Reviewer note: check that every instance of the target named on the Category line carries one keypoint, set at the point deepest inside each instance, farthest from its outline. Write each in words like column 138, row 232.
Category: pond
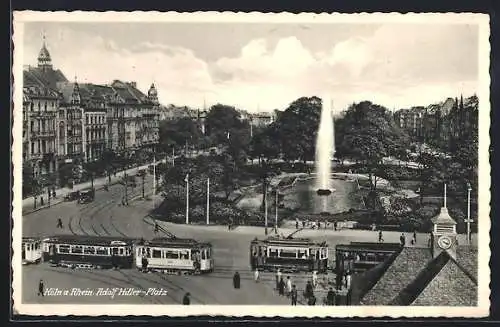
column 302, row 196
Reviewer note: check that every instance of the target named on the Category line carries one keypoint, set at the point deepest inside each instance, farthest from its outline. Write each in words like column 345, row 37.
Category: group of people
column 314, row 225
column 402, row 238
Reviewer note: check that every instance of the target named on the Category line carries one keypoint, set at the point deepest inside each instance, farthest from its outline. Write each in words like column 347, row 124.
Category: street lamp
column 468, row 220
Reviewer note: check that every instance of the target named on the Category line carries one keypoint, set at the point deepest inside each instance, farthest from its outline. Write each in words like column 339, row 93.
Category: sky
column 262, row 66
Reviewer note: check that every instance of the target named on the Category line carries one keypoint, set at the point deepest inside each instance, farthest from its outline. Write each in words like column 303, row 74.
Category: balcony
column 46, row 114
column 42, row 134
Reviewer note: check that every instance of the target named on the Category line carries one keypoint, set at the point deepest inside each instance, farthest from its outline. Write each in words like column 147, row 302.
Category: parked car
column 72, row 196
column 86, row 196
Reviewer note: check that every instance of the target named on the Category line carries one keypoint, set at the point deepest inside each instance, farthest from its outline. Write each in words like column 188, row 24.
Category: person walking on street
column 186, row 300
column 59, row 223
column 309, row 290
column 236, row 280
column 256, row 275
column 402, row 239
column 380, row 236
column 311, row 300
column 314, row 279
column 288, row 286
column 415, row 236
column 41, row 288
column 281, row 287
column 157, row 227
column 330, row 297
column 144, row 262
column 278, row 278
column 294, row 295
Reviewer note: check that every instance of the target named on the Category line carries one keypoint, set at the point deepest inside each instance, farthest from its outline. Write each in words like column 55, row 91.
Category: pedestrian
column 41, row 288
column 311, row 300
column 330, row 297
column 335, row 225
column 41, row 201
column 402, row 239
column 186, row 300
column 236, row 280
column 145, row 263
column 156, row 227
column 281, row 287
column 59, row 223
column 278, row 278
column 380, row 236
column 309, row 290
column 293, row 295
column 415, row 236
column 348, row 281
column 256, row 275
column 296, row 224
column 303, row 224
column 314, row 279
column 288, row 286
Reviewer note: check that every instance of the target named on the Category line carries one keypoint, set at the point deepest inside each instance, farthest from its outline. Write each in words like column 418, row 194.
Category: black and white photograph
column 241, row 164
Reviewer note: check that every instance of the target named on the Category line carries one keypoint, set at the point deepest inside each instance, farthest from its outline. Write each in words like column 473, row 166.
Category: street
column 106, row 216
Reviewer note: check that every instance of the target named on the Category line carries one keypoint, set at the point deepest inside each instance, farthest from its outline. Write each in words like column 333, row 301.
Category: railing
column 43, row 134
column 43, row 113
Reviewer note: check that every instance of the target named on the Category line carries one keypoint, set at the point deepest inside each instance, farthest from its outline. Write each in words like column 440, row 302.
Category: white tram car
column 31, row 251
column 172, row 255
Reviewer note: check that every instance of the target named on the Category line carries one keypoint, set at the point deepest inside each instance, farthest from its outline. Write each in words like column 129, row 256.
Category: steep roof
column 50, row 78
column 414, row 278
column 450, row 287
column 398, row 275
column 443, row 217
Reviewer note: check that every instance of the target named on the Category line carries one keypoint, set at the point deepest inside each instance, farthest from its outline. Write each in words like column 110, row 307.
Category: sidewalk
column 99, row 183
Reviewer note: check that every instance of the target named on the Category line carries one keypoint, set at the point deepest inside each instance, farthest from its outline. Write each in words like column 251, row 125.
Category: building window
column 32, row 127
column 32, row 106
column 32, row 147
column 45, row 106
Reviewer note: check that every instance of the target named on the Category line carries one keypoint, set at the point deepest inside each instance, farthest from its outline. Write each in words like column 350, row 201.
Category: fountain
column 325, row 148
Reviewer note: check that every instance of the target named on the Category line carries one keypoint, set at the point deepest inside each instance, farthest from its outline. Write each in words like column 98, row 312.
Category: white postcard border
column 259, row 311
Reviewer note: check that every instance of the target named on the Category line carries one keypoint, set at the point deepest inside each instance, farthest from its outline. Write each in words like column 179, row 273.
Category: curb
column 101, row 187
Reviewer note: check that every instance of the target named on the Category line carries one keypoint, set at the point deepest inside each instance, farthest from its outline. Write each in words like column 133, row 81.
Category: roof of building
column 451, row 286
column 415, row 278
column 50, row 78
column 400, row 273
column 443, row 217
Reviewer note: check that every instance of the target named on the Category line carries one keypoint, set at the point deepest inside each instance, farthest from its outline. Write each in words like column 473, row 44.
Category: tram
column 77, row 251
column 173, row 255
column 289, row 254
column 31, row 251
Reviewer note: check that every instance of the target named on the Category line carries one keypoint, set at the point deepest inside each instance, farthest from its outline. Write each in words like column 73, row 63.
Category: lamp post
column 265, row 208
column 276, row 214
column 468, row 220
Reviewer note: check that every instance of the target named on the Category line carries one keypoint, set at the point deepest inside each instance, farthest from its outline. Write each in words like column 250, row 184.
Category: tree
column 369, row 134
column 297, row 128
column 265, row 145
column 178, row 133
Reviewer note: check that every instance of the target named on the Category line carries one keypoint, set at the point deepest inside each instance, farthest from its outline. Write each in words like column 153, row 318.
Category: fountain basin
column 323, row 192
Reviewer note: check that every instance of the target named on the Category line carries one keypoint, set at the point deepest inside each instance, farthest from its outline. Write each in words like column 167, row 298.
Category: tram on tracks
column 289, row 254
column 174, row 256
column 76, row 251
column 167, row 255
column 31, row 251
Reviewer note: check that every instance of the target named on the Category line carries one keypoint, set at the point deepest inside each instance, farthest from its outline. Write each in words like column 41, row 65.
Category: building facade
column 444, row 123
column 70, row 122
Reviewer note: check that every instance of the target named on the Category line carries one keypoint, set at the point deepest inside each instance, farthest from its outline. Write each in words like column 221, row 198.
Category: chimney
column 133, row 84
